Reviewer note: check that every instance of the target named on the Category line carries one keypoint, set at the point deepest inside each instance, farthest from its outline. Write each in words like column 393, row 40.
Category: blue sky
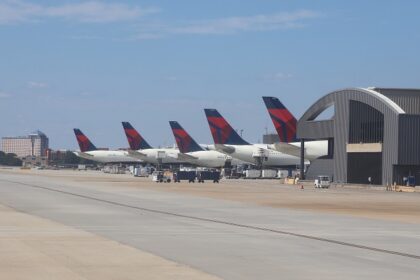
column 93, row 64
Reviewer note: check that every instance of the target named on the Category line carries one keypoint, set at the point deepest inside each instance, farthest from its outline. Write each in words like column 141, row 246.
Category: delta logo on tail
column 183, row 140
column 284, row 122
column 84, row 143
column 221, row 130
column 134, row 138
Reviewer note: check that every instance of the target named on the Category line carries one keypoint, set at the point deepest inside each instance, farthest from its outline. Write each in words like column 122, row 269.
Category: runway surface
column 227, row 239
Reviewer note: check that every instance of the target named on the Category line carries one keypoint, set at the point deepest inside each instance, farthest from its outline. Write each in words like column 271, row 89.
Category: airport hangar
column 374, row 132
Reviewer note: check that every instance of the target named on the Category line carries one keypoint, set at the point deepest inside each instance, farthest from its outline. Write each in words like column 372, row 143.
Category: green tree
column 9, row 159
column 71, row 158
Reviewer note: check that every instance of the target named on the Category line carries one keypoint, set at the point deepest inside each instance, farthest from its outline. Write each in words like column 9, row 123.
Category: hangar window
column 366, row 123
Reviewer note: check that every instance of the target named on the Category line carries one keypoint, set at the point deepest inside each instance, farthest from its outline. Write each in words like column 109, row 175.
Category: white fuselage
column 212, row 159
column 168, row 155
column 250, row 153
column 314, row 149
column 101, row 156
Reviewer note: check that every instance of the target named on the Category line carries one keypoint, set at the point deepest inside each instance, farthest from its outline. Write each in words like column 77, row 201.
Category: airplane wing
column 224, row 149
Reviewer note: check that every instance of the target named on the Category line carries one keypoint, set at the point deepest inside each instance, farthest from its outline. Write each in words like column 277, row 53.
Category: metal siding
column 409, row 140
column 317, row 129
column 407, row 99
column 410, row 104
column 320, row 167
column 341, row 135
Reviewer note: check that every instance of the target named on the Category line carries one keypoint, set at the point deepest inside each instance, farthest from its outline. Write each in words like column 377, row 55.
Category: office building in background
column 35, row 144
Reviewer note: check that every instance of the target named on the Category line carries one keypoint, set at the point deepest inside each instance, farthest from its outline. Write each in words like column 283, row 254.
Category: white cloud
column 231, row 25
column 243, row 24
column 15, row 11
column 86, row 11
column 37, row 85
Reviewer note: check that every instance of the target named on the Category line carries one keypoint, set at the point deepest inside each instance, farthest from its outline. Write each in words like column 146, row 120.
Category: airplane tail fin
column 134, row 138
column 184, row 141
column 221, row 130
column 284, row 122
column 84, row 142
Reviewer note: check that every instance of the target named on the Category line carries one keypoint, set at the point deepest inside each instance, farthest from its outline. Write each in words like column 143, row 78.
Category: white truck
column 81, row 167
column 322, row 182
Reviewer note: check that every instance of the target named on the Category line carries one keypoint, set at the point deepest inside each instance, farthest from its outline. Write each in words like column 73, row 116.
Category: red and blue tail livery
column 221, row 130
column 134, row 138
column 84, row 143
column 284, row 122
column 184, row 141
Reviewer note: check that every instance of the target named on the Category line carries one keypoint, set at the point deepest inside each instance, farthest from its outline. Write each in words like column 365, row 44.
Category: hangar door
column 361, row 166
column 364, row 149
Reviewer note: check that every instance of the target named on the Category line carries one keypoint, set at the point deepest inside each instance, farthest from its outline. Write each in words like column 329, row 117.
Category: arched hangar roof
column 366, row 95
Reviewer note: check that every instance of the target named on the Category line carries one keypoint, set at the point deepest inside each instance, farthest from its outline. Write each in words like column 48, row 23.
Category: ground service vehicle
column 203, row 175
column 322, row 182
column 160, row 177
column 181, row 175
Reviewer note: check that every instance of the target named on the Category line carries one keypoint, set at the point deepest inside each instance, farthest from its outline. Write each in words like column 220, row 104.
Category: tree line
column 71, row 158
column 9, row 159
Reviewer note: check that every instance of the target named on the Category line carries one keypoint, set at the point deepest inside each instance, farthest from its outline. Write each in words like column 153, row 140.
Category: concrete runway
column 227, row 239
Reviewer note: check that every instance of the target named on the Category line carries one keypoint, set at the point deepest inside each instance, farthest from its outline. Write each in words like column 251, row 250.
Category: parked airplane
column 286, row 126
column 228, row 141
column 195, row 154
column 90, row 152
column 140, row 149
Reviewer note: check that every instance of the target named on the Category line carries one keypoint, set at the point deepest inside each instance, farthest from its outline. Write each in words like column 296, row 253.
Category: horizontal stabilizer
column 186, row 157
column 286, row 148
column 224, row 149
column 84, row 155
column 136, row 154
column 291, row 150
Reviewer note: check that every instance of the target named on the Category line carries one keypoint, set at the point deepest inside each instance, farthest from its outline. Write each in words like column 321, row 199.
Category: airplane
column 227, row 141
column 140, row 149
column 90, row 152
column 196, row 154
column 286, row 125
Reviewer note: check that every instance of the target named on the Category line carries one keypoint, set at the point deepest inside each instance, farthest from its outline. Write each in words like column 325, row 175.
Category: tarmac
column 89, row 225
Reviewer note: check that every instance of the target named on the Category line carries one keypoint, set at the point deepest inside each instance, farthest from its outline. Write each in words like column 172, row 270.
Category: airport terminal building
column 373, row 135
